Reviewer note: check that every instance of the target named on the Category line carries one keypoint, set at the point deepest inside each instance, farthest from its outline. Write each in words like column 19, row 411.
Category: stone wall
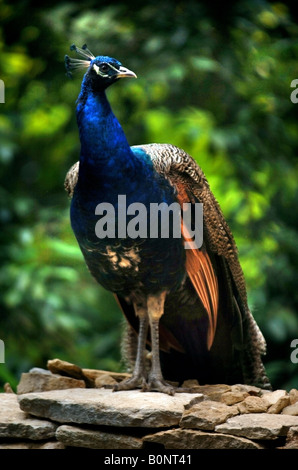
column 66, row 407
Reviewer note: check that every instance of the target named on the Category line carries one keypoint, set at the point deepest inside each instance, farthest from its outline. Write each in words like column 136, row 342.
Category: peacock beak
column 125, row 73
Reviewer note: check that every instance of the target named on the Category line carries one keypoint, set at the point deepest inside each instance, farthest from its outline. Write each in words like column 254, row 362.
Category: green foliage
column 214, row 82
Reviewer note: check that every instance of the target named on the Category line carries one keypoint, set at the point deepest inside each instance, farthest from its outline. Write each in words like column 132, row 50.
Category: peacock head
column 101, row 72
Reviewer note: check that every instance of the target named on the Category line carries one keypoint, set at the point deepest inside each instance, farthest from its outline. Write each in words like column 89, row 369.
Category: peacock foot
column 157, row 384
column 136, row 381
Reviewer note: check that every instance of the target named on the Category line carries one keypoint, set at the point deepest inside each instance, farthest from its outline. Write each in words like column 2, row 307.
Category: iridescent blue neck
column 103, row 141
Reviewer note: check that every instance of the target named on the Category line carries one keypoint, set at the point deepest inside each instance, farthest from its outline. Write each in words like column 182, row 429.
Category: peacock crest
column 73, row 64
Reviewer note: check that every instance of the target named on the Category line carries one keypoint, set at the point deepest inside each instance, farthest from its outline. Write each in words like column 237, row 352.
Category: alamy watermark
column 2, row 352
column 159, row 221
column 294, row 353
column 2, row 91
column 294, row 94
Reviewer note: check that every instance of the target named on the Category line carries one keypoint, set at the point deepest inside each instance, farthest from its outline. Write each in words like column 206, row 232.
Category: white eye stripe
column 97, row 70
column 102, row 74
column 112, row 67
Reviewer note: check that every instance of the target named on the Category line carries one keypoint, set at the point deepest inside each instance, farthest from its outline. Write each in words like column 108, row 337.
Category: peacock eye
column 104, row 67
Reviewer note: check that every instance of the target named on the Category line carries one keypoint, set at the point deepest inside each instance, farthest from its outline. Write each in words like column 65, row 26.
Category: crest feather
column 72, row 65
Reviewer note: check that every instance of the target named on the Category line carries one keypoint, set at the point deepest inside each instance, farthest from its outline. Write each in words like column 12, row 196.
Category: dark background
column 214, row 80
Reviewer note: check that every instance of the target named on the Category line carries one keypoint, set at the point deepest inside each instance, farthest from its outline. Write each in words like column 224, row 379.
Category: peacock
column 187, row 304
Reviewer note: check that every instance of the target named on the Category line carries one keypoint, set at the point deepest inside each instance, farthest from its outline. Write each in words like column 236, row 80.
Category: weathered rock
column 206, row 415
column 75, row 436
column 39, row 382
column 211, row 392
column 92, row 374
column 31, row 445
column 104, row 380
column 194, row 401
column 103, row 407
column 292, row 438
column 291, row 410
column 234, row 396
column 252, row 404
column 273, row 397
column 293, row 394
column 14, row 423
column 7, row 388
column 56, row 366
column 190, row 383
column 279, row 405
column 258, row 425
column 251, row 389
column 192, row 439
column 40, row 370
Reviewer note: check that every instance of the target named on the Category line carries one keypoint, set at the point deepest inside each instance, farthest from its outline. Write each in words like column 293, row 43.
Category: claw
column 161, row 386
column 131, row 384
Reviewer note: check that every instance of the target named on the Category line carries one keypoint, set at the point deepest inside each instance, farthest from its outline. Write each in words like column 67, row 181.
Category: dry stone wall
column 66, row 407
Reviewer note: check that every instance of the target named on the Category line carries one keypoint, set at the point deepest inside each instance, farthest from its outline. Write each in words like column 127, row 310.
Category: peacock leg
column 156, row 381
column 139, row 375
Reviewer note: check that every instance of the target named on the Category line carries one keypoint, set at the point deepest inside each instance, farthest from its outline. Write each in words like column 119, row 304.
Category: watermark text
column 2, row 352
column 2, row 91
column 158, row 221
column 294, row 94
column 294, row 353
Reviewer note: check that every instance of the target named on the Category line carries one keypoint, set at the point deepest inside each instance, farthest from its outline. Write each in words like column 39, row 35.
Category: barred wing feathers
column 181, row 170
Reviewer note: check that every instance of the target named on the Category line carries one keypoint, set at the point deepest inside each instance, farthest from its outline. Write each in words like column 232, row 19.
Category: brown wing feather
column 201, row 273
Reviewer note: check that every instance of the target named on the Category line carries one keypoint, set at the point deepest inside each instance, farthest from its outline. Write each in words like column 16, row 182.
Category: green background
column 214, row 80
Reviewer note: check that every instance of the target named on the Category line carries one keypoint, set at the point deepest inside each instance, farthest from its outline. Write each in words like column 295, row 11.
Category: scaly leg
column 139, row 374
column 156, row 381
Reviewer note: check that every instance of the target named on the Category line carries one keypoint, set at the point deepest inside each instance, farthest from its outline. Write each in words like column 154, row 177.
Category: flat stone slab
column 131, row 408
column 193, row 439
column 258, row 425
column 14, row 423
column 75, row 436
